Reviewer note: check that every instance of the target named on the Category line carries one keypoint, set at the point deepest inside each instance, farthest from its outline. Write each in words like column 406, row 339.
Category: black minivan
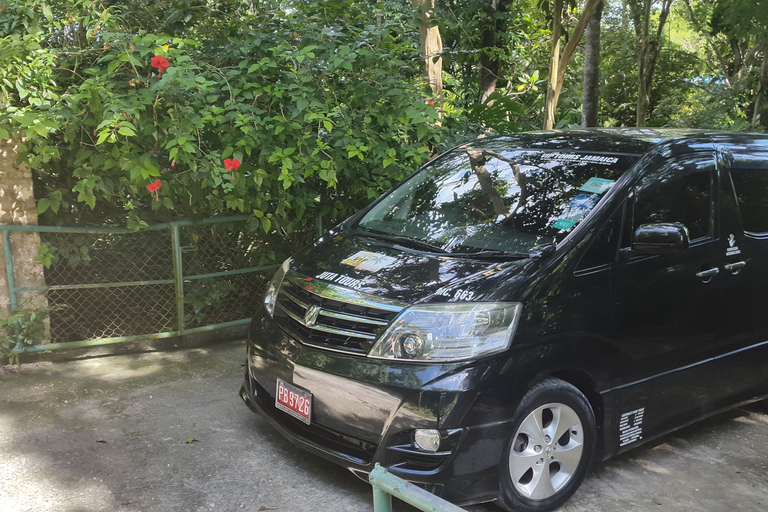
column 522, row 306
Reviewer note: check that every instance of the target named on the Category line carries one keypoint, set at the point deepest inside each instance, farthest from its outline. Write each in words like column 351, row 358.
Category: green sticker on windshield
column 564, row 224
column 596, row 185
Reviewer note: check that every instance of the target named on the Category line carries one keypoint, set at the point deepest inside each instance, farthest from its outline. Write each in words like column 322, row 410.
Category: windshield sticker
column 631, row 426
column 372, row 261
column 596, row 185
column 587, row 159
column 576, row 209
column 564, row 224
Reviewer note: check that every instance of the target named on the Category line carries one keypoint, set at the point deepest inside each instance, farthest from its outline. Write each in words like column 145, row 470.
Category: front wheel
column 551, row 449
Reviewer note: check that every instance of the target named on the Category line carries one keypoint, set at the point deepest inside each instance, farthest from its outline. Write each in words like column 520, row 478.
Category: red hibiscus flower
column 231, row 164
column 160, row 62
column 152, row 187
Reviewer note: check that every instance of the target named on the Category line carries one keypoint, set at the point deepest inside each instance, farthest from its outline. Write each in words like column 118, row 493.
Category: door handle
column 707, row 275
column 735, row 268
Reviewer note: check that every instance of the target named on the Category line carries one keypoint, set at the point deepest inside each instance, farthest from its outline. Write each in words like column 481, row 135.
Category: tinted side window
column 752, row 194
column 603, row 249
column 682, row 194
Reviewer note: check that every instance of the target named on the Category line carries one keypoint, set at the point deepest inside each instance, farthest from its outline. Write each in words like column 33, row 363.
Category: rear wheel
column 550, row 450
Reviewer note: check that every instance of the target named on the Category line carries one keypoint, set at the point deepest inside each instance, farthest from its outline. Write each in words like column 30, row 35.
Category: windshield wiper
column 494, row 254
column 402, row 241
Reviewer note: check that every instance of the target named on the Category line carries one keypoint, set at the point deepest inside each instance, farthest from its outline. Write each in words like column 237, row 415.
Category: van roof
column 633, row 141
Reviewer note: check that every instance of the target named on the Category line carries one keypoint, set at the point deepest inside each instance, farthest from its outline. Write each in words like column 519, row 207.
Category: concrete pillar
column 17, row 206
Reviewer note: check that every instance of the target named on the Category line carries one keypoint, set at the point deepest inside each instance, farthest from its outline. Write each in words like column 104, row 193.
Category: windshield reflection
column 476, row 199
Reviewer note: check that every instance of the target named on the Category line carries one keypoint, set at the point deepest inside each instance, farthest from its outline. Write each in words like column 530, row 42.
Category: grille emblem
column 310, row 317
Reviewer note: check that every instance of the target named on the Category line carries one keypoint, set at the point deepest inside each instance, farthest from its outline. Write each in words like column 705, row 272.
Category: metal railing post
column 11, row 280
column 178, row 275
column 9, row 269
column 385, row 483
column 382, row 500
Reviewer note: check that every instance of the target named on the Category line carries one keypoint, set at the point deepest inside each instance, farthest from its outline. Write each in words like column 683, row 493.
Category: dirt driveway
column 166, row 431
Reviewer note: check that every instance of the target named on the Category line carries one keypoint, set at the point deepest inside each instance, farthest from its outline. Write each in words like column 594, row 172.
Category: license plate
column 294, row 401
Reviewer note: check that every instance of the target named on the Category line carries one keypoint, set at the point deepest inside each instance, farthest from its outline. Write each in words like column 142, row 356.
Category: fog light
column 427, row 439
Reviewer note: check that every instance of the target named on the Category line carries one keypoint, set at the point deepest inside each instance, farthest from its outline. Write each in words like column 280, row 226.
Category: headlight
column 270, row 299
column 449, row 332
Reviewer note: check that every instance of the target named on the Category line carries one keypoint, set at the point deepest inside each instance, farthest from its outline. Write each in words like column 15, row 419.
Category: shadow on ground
column 166, row 431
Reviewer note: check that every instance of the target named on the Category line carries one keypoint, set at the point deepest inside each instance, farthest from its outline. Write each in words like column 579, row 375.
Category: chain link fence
column 111, row 285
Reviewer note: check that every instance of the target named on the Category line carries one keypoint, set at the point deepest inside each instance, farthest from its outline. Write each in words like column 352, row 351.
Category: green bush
column 285, row 113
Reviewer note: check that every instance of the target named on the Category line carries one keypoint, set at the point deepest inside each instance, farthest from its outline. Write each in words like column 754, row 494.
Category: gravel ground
column 165, row 431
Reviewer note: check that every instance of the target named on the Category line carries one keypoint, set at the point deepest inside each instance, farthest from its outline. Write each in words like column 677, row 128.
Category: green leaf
column 266, row 224
column 47, row 12
column 124, row 130
column 422, row 131
column 43, row 204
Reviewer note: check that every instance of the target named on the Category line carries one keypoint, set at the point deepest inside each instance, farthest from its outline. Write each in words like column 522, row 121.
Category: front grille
column 329, row 316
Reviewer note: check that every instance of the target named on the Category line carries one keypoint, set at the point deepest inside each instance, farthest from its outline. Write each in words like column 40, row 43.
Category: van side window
column 604, row 247
column 682, row 193
column 752, row 194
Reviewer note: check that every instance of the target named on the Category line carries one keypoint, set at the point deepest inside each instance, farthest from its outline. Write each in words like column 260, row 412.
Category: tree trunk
column 489, row 63
column 591, row 96
column 760, row 115
column 648, row 50
column 554, row 65
column 17, row 206
column 431, row 45
column 559, row 63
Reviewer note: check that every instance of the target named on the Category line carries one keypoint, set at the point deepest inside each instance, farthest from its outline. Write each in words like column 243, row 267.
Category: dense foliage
column 301, row 112
column 285, row 114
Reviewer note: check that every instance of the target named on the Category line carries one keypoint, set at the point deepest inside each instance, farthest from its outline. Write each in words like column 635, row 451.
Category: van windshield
column 474, row 200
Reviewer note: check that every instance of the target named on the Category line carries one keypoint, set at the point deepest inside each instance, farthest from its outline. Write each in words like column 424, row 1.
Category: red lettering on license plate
column 294, row 401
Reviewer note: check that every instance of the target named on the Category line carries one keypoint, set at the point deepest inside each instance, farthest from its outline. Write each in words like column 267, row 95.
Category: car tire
column 550, row 448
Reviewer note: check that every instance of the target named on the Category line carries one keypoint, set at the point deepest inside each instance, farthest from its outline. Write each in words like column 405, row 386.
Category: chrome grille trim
column 331, row 317
column 330, row 314
column 353, row 318
column 347, row 295
column 295, row 300
column 332, row 330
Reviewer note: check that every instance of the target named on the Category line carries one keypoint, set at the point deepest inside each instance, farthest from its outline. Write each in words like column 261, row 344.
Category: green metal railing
column 385, row 485
column 113, row 285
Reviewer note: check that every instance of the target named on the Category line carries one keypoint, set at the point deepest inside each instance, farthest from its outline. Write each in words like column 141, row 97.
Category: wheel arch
column 584, row 383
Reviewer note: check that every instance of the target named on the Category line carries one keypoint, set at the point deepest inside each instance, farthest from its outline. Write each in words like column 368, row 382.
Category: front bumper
column 360, row 422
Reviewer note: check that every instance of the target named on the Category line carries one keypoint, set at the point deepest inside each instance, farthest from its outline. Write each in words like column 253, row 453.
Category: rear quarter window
column 750, row 181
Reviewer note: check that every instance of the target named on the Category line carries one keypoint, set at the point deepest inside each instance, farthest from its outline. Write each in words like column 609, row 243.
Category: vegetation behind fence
column 109, row 285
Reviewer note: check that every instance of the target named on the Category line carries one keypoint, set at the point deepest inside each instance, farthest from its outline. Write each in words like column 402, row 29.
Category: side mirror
column 661, row 238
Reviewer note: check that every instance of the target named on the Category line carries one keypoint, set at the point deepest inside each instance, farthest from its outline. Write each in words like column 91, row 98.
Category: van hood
column 377, row 268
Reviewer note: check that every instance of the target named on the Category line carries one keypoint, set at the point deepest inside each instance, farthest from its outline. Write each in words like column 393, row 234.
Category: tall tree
column 559, row 62
column 648, row 49
column 760, row 115
column 589, row 103
column 431, row 45
column 493, row 33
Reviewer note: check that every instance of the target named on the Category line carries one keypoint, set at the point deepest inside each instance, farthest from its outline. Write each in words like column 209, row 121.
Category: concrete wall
column 17, row 206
